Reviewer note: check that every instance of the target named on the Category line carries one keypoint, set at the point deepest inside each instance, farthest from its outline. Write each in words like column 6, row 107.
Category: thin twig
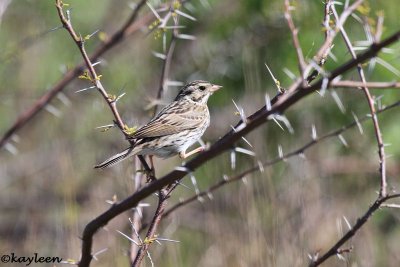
column 296, row 43
column 321, row 56
column 370, row 85
column 165, row 71
column 330, row 34
column 165, row 68
column 94, row 78
column 391, row 205
column 371, row 104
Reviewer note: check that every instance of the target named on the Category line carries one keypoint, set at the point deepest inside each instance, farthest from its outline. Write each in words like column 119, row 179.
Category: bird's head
column 197, row 91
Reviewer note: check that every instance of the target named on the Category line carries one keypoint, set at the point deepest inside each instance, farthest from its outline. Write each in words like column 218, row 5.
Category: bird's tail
column 130, row 151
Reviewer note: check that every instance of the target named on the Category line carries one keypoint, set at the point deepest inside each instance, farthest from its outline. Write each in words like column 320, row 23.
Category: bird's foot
column 184, row 155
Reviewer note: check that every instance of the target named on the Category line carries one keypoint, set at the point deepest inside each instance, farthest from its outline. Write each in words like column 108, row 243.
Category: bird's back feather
column 171, row 120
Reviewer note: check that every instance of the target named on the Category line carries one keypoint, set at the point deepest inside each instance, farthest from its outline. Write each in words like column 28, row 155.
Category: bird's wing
column 173, row 119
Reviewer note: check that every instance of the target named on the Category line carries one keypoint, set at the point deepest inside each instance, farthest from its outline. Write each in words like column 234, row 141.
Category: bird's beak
column 215, row 87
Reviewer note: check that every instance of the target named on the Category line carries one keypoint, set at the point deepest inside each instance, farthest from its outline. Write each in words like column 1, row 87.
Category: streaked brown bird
column 172, row 131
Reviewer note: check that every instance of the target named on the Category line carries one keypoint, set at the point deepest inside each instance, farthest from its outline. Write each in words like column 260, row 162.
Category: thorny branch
column 360, row 222
column 315, row 66
column 330, row 34
column 94, row 78
column 268, row 163
column 150, row 235
column 335, row 249
column 284, row 102
column 371, row 104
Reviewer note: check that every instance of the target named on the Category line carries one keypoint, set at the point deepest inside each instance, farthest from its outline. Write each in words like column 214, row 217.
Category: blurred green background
column 49, row 190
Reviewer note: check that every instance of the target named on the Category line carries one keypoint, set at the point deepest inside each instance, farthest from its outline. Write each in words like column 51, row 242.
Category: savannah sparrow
column 178, row 126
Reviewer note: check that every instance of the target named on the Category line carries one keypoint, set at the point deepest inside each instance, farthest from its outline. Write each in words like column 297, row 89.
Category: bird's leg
column 184, row 155
column 152, row 170
column 148, row 170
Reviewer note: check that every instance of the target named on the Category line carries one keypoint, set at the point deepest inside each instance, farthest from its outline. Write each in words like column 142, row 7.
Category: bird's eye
column 202, row 87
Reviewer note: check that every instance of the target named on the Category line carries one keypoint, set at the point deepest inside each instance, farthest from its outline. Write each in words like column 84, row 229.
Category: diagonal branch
column 335, row 249
column 319, row 58
column 330, row 34
column 94, row 78
column 127, row 29
column 284, row 102
column 296, row 152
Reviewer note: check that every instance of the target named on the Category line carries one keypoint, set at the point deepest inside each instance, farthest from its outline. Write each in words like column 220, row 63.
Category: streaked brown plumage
column 178, row 126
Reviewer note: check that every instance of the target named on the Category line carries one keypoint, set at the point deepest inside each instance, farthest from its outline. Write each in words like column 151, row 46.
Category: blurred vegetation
column 49, row 191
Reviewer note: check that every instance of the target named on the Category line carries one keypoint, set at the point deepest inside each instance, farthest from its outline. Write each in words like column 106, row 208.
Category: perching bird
column 172, row 131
